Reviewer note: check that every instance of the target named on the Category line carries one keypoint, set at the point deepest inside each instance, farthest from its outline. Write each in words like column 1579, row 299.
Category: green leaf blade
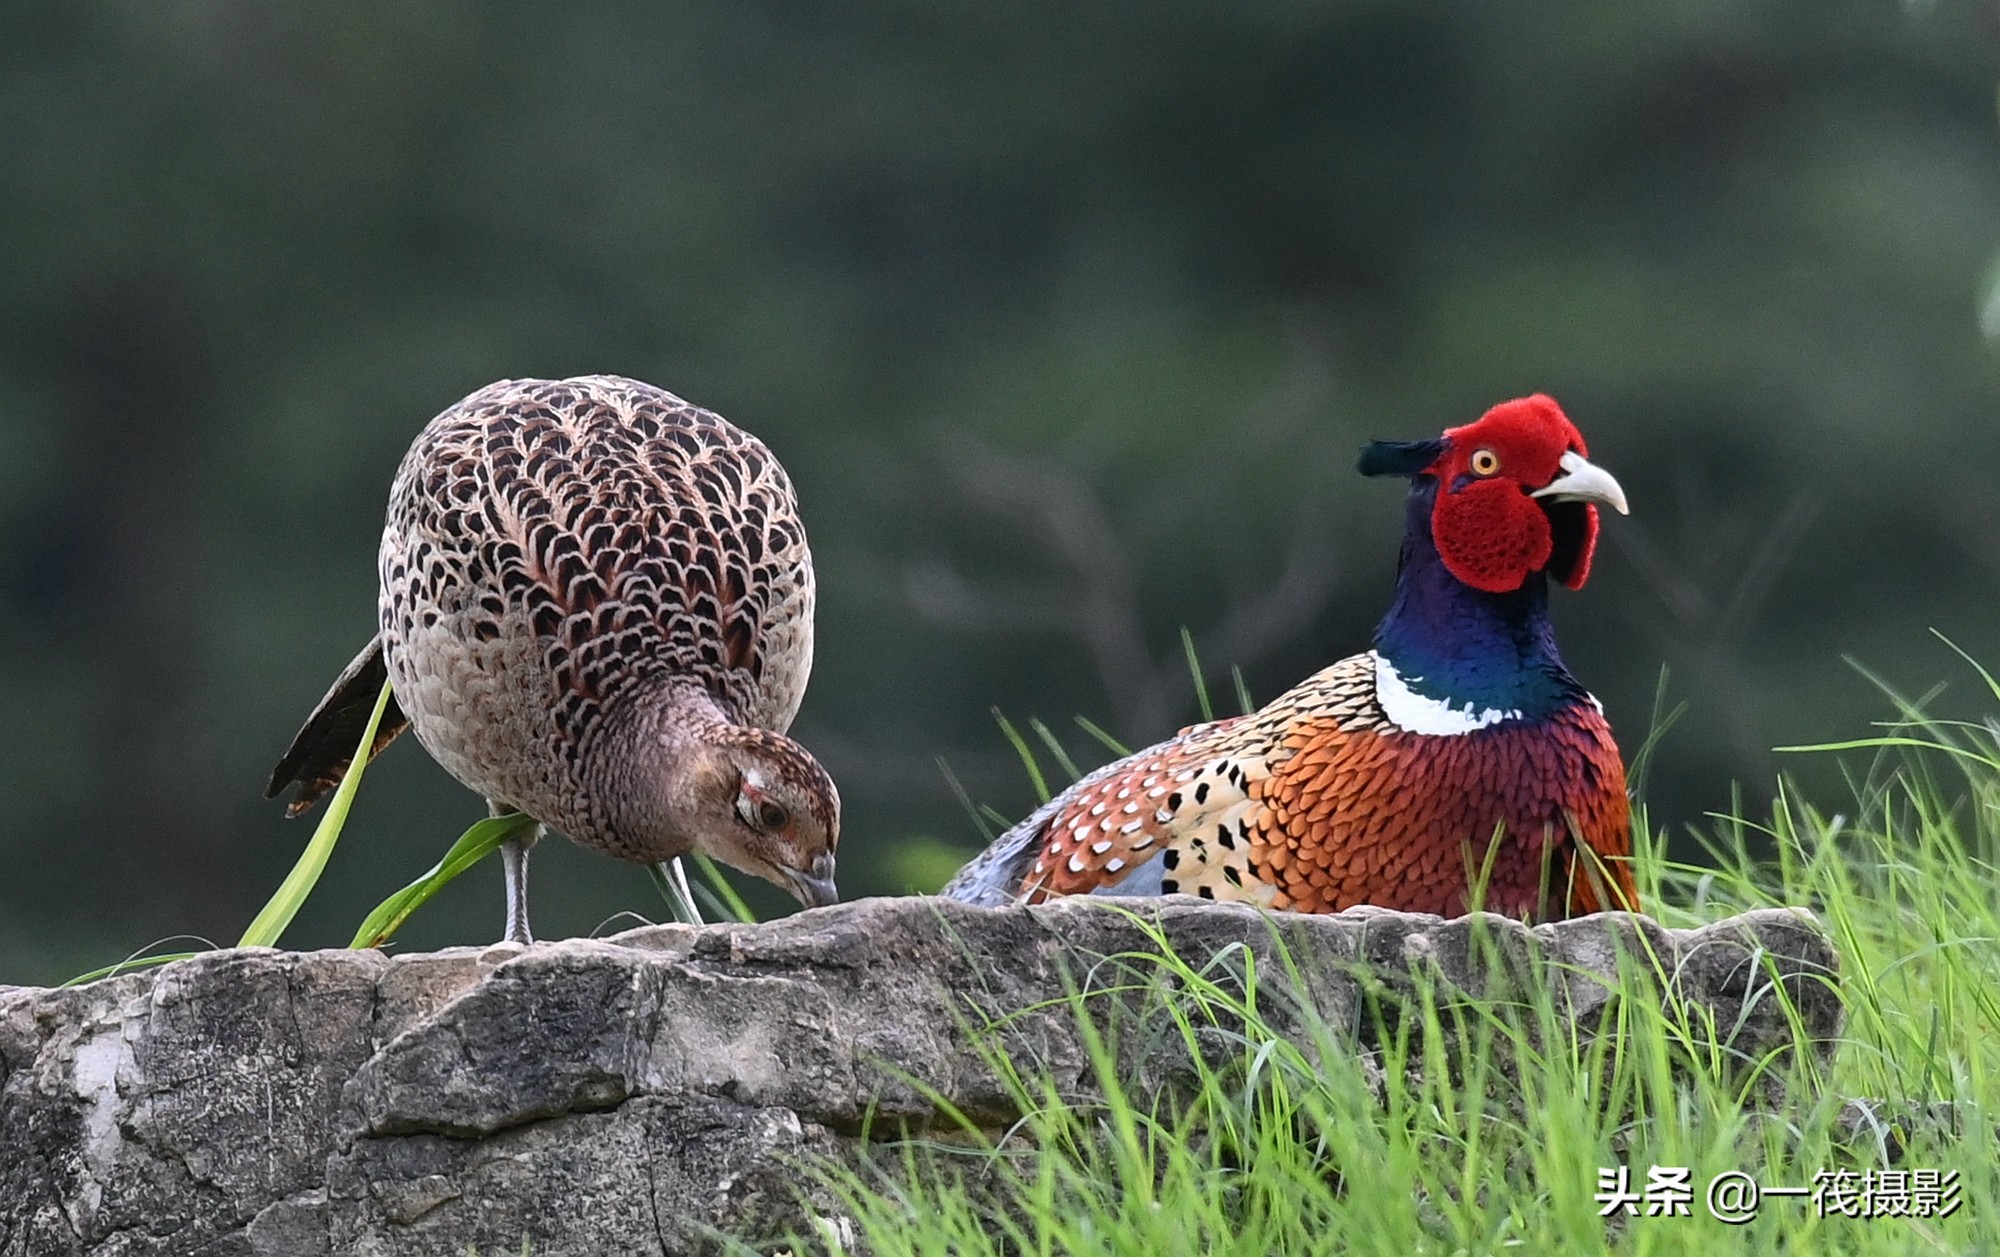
column 269, row 924
column 475, row 844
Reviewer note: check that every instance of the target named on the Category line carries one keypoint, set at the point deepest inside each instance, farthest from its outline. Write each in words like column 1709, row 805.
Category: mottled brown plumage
column 596, row 607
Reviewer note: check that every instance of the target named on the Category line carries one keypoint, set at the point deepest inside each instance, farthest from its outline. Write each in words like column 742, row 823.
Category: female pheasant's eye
column 1485, row 462
column 772, row 816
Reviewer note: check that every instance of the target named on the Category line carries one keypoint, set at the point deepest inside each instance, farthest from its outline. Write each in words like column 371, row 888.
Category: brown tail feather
column 325, row 746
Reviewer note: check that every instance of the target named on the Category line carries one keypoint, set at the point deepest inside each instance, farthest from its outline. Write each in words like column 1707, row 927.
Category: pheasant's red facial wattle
column 1574, row 525
column 1490, row 531
column 1490, row 534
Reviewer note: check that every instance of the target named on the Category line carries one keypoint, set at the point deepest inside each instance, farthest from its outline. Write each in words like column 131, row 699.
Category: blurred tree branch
column 1095, row 599
column 1710, row 613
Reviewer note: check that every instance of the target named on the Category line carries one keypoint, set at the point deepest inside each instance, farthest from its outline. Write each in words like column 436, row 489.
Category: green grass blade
column 130, row 965
column 670, row 879
column 1243, row 703
column 1922, row 744
column 1027, row 754
column 474, row 845
column 270, row 923
column 1056, row 751
column 144, row 958
column 686, row 895
column 1638, row 765
column 959, row 792
column 724, row 897
column 1985, row 674
column 1096, row 731
column 1194, row 670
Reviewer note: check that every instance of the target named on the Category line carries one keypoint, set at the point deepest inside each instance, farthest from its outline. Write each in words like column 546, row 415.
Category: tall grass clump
column 1215, row 1118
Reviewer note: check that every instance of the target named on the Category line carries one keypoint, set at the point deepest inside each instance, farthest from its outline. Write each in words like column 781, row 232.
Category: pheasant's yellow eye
column 1485, row 462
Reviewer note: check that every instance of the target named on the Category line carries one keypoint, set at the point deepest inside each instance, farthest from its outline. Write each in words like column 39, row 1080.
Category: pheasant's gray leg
column 514, row 859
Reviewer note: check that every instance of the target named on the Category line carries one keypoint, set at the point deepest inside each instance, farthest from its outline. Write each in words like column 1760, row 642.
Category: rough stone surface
column 641, row 1094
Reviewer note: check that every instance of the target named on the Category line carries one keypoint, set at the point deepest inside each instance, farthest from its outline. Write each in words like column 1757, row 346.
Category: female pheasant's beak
column 814, row 889
column 1583, row 481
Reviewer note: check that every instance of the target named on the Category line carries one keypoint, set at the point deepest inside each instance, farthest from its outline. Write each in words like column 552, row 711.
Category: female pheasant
column 1458, row 764
column 597, row 608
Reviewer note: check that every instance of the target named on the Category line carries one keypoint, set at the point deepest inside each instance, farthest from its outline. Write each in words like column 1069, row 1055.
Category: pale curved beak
column 814, row 889
column 1584, row 481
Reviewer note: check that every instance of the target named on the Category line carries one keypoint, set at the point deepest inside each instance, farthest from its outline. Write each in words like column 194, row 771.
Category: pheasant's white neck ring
column 1418, row 713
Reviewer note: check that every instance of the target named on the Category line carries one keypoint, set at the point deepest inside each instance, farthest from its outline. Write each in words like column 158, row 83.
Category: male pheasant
column 1458, row 764
column 597, row 608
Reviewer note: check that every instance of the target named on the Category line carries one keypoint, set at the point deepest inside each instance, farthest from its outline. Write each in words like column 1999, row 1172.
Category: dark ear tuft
column 1399, row 458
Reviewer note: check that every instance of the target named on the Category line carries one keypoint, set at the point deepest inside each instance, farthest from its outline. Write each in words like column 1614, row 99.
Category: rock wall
column 640, row 1094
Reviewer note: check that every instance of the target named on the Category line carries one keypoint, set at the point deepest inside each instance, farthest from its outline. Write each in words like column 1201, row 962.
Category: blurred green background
column 1067, row 320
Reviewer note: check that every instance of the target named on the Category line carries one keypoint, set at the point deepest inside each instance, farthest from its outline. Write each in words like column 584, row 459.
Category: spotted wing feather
column 1109, row 833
